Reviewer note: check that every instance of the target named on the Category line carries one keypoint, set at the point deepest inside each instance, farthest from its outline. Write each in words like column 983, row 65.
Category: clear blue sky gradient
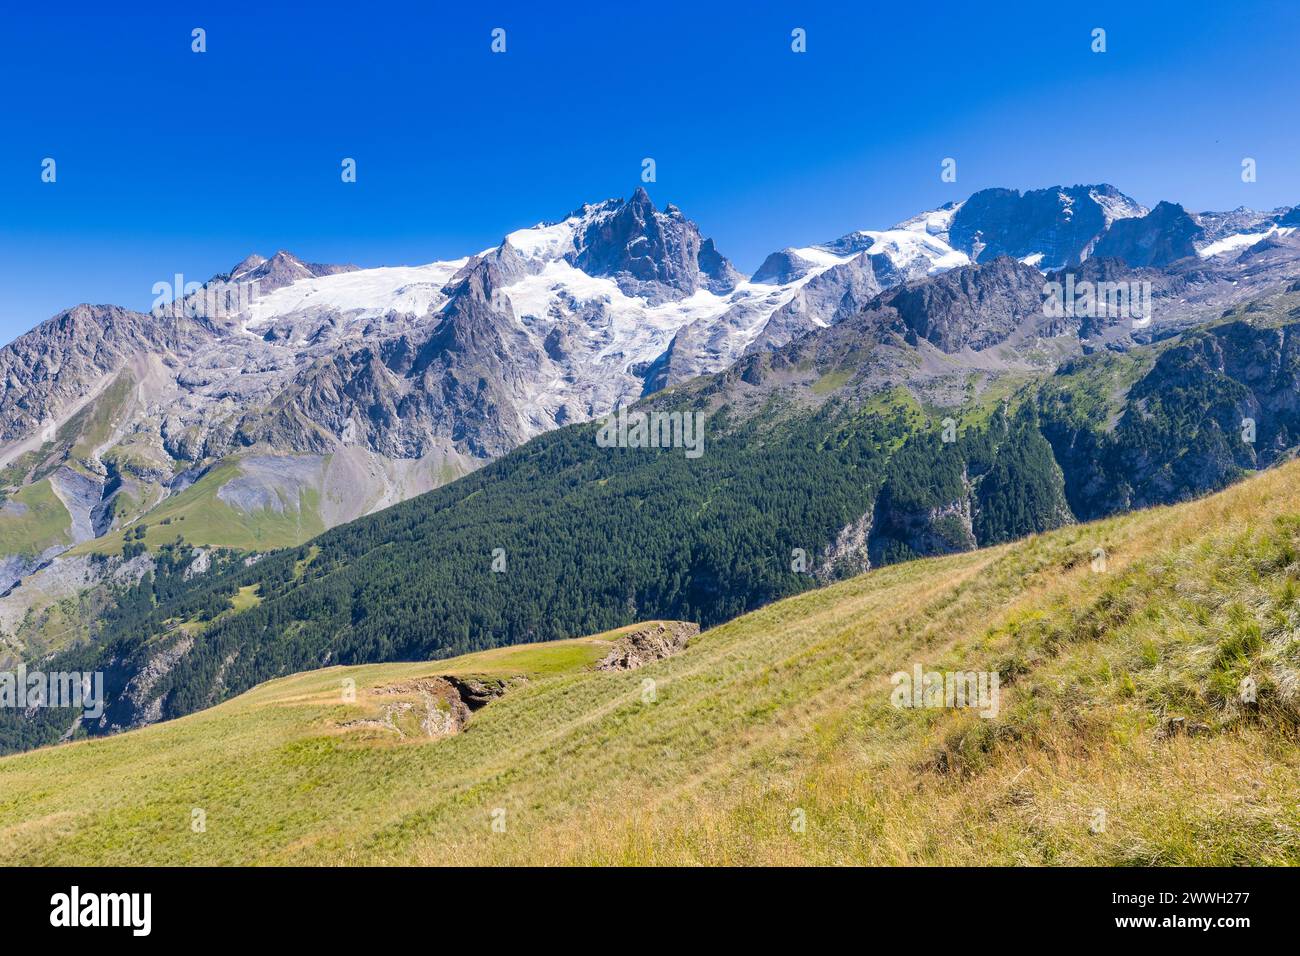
column 171, row 161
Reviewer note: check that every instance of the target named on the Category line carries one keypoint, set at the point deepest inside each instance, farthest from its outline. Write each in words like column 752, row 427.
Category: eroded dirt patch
column 647, row 644
column 427, row 707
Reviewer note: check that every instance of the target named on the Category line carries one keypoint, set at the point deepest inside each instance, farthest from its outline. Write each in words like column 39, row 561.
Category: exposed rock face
column 63, row 360
column 428, row 706
column 714, row 342
column 81, row 495
column 1266, row 247
column 782, row 267
column 92, row 580
column 200, row 564
column 466, row 378
column 849, row 553
column 648, row 643
column 15, row 567
column 972, row 307
column 1061, row 224
column 1166, row 234
column 652, row 253
column 1106, row 326
column 269, row 483
column 1218, row 225
column 935, row 530
column 477, row 692
column 140, row 703
column 828, row 298
column 280, row 270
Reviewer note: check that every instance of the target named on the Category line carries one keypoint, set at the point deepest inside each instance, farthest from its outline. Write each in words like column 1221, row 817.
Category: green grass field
column 831, row 381
column 33, row 519
column 94, row 424
column 200, row 517
column 1122, row 736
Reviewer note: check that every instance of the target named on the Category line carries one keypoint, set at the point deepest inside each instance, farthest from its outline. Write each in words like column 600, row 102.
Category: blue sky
column 170, row 161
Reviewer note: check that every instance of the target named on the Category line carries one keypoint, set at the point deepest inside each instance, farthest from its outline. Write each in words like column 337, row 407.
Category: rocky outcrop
column 660, row 255
column 476, row 692
column 902, row 531
column 200, row 563
column 280, row 270
column 828, row 298
column 1219, row 225
column 428, row 707
column 848, row 554
column 782, row 267
column 81, row 496
column 647, row 643
column 973, row 307
column 64, row 360
column 139, row 704
column 1166, row 234
column 15, row 567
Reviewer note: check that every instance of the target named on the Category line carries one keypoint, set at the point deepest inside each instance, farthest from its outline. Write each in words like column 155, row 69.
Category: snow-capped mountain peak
column 657, row 254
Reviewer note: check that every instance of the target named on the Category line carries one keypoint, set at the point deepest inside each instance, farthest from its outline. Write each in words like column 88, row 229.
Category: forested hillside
column 1120, row 703
column 563, row 537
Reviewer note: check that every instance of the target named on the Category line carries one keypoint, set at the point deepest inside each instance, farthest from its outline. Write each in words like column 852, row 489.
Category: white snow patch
column 366, row 292
column 630, row 329
column 905, row 248
column 1241, row 240
column 556, row 240
column 820, row 258
column 935, row 222
column 544, row 241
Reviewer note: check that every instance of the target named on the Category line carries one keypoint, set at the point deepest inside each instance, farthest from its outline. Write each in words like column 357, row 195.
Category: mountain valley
column 196, row 503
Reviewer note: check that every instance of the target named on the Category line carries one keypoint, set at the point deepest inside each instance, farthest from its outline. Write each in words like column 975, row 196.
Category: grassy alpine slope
column 1120, row 694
